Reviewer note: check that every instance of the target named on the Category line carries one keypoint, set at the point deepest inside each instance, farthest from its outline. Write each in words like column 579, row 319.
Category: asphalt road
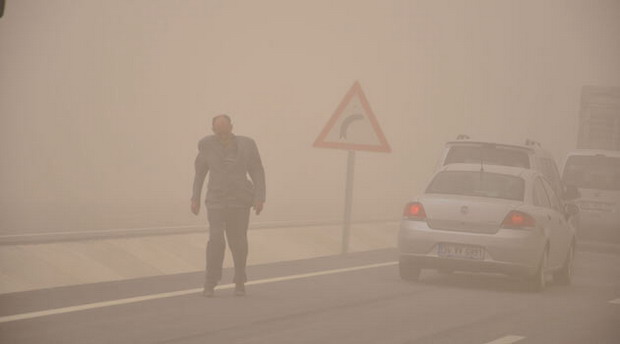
column 356, row 298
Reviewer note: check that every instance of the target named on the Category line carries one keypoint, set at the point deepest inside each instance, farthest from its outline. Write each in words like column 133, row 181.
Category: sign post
column 352, row 127
column 348, row 202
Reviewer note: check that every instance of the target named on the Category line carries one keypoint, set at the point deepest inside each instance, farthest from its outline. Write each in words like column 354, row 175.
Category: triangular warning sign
column 353, row 126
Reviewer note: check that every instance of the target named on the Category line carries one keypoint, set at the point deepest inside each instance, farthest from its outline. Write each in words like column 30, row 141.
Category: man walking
column 228, row 159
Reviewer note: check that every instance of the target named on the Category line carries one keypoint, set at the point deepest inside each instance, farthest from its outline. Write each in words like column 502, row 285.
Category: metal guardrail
column 40, row 238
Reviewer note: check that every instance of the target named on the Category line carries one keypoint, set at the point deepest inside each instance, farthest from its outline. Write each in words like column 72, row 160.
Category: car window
column 488, row 154
column 540, row 196
column 481, row 184
column 553, row 198
column 593, row 172
column 550, row 170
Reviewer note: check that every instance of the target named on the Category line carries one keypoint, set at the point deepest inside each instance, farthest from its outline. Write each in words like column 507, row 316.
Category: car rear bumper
column 509, row 251
column 430, row 262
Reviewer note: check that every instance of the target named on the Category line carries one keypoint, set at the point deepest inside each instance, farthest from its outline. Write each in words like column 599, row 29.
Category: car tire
column 564, row 276
column 408, row 269
column 538, row 281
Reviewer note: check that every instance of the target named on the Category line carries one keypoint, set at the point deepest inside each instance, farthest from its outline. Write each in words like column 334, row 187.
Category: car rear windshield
column 593, row 172
column 481, row 184
column 488, row 154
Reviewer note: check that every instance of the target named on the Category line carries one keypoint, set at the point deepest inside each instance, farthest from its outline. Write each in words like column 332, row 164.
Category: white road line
column 507, row 340
column 616, row 301
column 103, row 304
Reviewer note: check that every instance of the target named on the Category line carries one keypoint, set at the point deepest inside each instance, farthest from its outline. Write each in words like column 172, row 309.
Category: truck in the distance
column 594, row 168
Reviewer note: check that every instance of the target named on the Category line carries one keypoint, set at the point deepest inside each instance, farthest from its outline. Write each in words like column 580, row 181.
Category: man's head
column 222, row 125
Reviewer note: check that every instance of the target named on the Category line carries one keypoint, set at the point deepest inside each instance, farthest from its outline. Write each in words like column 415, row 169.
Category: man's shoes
column 239, row 289
column 208, row 292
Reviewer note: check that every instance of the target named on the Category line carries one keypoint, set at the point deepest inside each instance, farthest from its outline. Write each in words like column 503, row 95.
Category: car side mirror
column 571, row 192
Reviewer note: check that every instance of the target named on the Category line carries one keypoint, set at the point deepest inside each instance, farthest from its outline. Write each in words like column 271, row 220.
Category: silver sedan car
column 495, row 219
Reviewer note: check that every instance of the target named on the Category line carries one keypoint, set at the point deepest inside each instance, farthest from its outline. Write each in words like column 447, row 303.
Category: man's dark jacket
column 228, row 167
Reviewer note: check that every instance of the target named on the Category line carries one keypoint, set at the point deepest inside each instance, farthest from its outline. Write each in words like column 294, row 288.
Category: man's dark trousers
column 233, row 223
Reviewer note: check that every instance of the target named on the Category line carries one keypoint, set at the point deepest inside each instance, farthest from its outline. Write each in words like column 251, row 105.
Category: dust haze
column 102, row 102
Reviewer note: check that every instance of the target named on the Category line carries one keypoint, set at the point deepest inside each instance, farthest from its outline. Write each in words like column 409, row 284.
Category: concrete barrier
column 48, row 264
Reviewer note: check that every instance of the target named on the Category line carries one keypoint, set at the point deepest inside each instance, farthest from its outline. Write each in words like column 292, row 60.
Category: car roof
column 525, row 173
column 479, row 143
column 532, row 147
column 594, row 152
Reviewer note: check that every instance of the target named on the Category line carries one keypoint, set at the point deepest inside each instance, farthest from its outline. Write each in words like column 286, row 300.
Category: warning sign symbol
column 353, row 126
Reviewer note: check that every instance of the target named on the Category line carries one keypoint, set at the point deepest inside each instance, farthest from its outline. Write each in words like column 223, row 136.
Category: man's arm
column 257, row 174
column 201, row 167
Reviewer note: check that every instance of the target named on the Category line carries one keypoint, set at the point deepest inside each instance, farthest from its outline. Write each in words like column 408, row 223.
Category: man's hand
column 195, row 207
column 258, row 207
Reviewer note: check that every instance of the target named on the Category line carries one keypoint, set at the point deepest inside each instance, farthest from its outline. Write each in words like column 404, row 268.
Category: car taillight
column 414, row 211
column 518, row 219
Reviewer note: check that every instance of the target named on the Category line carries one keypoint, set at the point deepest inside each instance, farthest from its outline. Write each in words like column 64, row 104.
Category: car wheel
column 408, row 269
column 538, row 281
column 565, row 275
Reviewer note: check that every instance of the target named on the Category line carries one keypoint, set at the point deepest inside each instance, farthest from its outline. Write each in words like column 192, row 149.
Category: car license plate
column 460, row 251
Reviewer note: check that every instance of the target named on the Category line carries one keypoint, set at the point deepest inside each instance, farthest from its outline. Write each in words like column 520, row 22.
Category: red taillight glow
column 518, row 219
column 414, row 211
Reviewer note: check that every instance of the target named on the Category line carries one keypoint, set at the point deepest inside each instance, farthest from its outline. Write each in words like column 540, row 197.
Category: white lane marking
column 103, row 304
column 507, row 340
column 616, row 301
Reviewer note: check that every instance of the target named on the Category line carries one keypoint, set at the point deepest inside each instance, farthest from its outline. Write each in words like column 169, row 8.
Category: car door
column 543, row 207
column 560, row 233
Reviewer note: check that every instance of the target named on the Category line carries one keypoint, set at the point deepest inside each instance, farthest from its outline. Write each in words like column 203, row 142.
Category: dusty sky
column 102, row 102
